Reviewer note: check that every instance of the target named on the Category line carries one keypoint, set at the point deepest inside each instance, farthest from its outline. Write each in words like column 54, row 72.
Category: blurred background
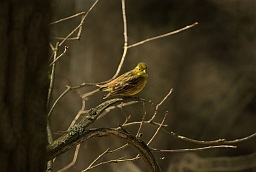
column 211, row 67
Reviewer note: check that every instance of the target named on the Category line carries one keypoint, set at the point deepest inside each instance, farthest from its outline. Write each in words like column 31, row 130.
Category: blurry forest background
column 211, row 67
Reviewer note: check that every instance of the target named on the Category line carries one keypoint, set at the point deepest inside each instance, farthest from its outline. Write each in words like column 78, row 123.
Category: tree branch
column 162, row 35
column 67, row 141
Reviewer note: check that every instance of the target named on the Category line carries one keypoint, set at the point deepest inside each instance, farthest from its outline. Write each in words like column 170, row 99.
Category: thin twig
column 112, row 161
column 67, row 18
column 142, row 120
column 57, row 100
column 81, row 23
column 119, row 148
column 49, row 97
column 57, row 58
column 52, row 76
column 162, row 36
column 71, row 33
column 81, row 111
column 68, row 39
column 218, row 141
column 96, row 159
column 73, row 161
column 125, row 41
column 127, row 117
column 158, row 128
column 241, row 139
column 159, row 104
column 203, row 142
column 193, row 149
column 59, row 44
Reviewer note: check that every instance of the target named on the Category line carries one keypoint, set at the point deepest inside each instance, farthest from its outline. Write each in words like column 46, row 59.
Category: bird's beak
column 144, row 71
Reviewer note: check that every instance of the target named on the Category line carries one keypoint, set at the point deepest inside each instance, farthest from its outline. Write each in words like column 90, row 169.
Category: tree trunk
column 24, row 45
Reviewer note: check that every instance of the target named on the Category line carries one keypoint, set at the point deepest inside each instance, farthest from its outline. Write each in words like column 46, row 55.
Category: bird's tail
column 91, row 93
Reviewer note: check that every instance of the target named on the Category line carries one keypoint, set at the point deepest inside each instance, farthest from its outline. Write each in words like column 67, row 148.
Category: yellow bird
column 127, row 84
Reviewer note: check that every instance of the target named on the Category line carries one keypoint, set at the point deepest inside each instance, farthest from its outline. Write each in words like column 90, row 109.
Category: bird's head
column 141, row 69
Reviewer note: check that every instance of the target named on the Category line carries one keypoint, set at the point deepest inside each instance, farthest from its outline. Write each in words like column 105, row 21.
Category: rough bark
column 24, row 56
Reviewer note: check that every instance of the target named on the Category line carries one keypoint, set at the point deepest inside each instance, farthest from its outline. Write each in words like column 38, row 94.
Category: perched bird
column 127, row 84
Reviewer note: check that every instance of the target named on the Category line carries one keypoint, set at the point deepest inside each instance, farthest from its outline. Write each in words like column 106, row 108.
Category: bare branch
column 80, row 25
column 193, row 149
column 159, row 104
column 62, row 143
column 67, row 141
column 73, row 161
column 112, row 161
column 57, row 100
column 163, row 35
column 49, row 97
column 67, row 18
column 218, row 141
column 96, row 159
column 57, row 58
column 52, row 75
column 125, row 40
column 119, row 148
column 158, row 128
column 81, row 111
column 142, row 120
column 241, row 139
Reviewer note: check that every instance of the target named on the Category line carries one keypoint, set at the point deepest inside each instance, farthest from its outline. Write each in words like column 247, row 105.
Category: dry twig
column 193, row 149
column 218, row 141
column 73, row 161
column 163, row 35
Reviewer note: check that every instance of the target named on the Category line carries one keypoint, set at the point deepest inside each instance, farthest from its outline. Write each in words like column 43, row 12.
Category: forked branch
column 85, row 135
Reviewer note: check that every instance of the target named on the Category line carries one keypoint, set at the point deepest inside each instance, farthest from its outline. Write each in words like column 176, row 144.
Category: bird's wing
column 116, row 82
column 127, row 86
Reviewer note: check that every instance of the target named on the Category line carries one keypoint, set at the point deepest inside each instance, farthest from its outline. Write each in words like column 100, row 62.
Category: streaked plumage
column 128, row 84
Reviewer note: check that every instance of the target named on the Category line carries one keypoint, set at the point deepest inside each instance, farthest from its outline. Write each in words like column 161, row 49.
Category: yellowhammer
column 127, row 84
